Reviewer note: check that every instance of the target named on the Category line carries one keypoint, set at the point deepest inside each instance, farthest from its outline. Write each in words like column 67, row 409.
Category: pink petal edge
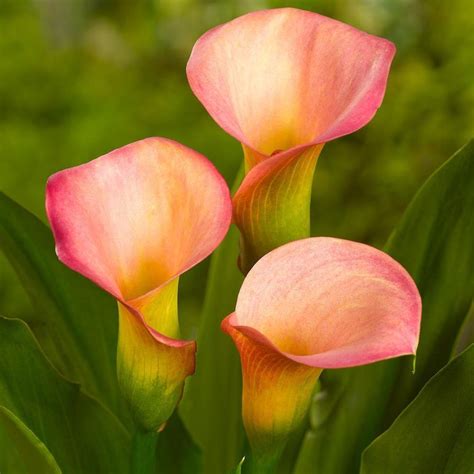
column 345, row 355
column 71, row 257
column 202, row 67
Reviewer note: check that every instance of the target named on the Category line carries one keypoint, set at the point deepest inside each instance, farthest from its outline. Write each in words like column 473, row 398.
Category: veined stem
column 143, row 460
column 260, row 465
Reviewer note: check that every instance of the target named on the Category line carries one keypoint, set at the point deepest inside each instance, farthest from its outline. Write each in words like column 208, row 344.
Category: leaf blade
column 79, row 432
column 418, row 441
column 439, row 225
column 20, row 448
column 176, row 451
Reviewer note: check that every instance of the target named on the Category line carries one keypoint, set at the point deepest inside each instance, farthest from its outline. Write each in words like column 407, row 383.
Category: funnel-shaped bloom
column 284, row 82
column 314, row 304
column 132, row 221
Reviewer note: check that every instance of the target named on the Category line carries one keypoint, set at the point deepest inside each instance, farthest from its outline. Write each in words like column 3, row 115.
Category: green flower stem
column 143, row 459
column 260, row 465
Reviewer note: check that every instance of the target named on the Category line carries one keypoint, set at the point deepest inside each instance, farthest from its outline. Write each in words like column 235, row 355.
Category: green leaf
column 434, row 243
column 80, row 433
column 466, row 334
column 20, row 450
column 435, row 433
column 74, row 321
column 176, row 451
column 211, row 407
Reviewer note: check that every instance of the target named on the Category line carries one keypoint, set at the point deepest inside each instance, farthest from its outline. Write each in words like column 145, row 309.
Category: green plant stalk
column 211, row 406
column 143, row 458
column 261, row 465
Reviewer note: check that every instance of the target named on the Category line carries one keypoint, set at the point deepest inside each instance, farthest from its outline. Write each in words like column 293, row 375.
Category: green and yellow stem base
column 272, row 205
column 143, row 460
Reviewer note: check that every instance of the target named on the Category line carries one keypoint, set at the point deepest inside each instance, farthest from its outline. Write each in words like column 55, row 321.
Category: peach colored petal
column 330, row 303
column 138, row 216
column 132, row 221
column 282, row 78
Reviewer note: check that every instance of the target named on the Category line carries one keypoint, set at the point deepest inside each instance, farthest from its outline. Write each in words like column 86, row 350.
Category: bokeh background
column 79, row 78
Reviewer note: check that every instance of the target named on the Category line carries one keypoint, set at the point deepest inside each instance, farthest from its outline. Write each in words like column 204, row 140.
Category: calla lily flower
column 284, row 82
column 132, row 221
column 314, row 304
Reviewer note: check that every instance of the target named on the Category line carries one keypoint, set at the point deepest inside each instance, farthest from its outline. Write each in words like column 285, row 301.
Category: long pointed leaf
column 434, row 242
column 435, row 433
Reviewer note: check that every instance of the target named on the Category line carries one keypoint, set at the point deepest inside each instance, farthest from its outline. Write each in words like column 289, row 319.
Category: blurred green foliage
column 81, row 77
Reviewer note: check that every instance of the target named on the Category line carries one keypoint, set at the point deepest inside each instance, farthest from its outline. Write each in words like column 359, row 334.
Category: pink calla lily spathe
column 314, row 304
column 132, row 221
column 284, row 82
